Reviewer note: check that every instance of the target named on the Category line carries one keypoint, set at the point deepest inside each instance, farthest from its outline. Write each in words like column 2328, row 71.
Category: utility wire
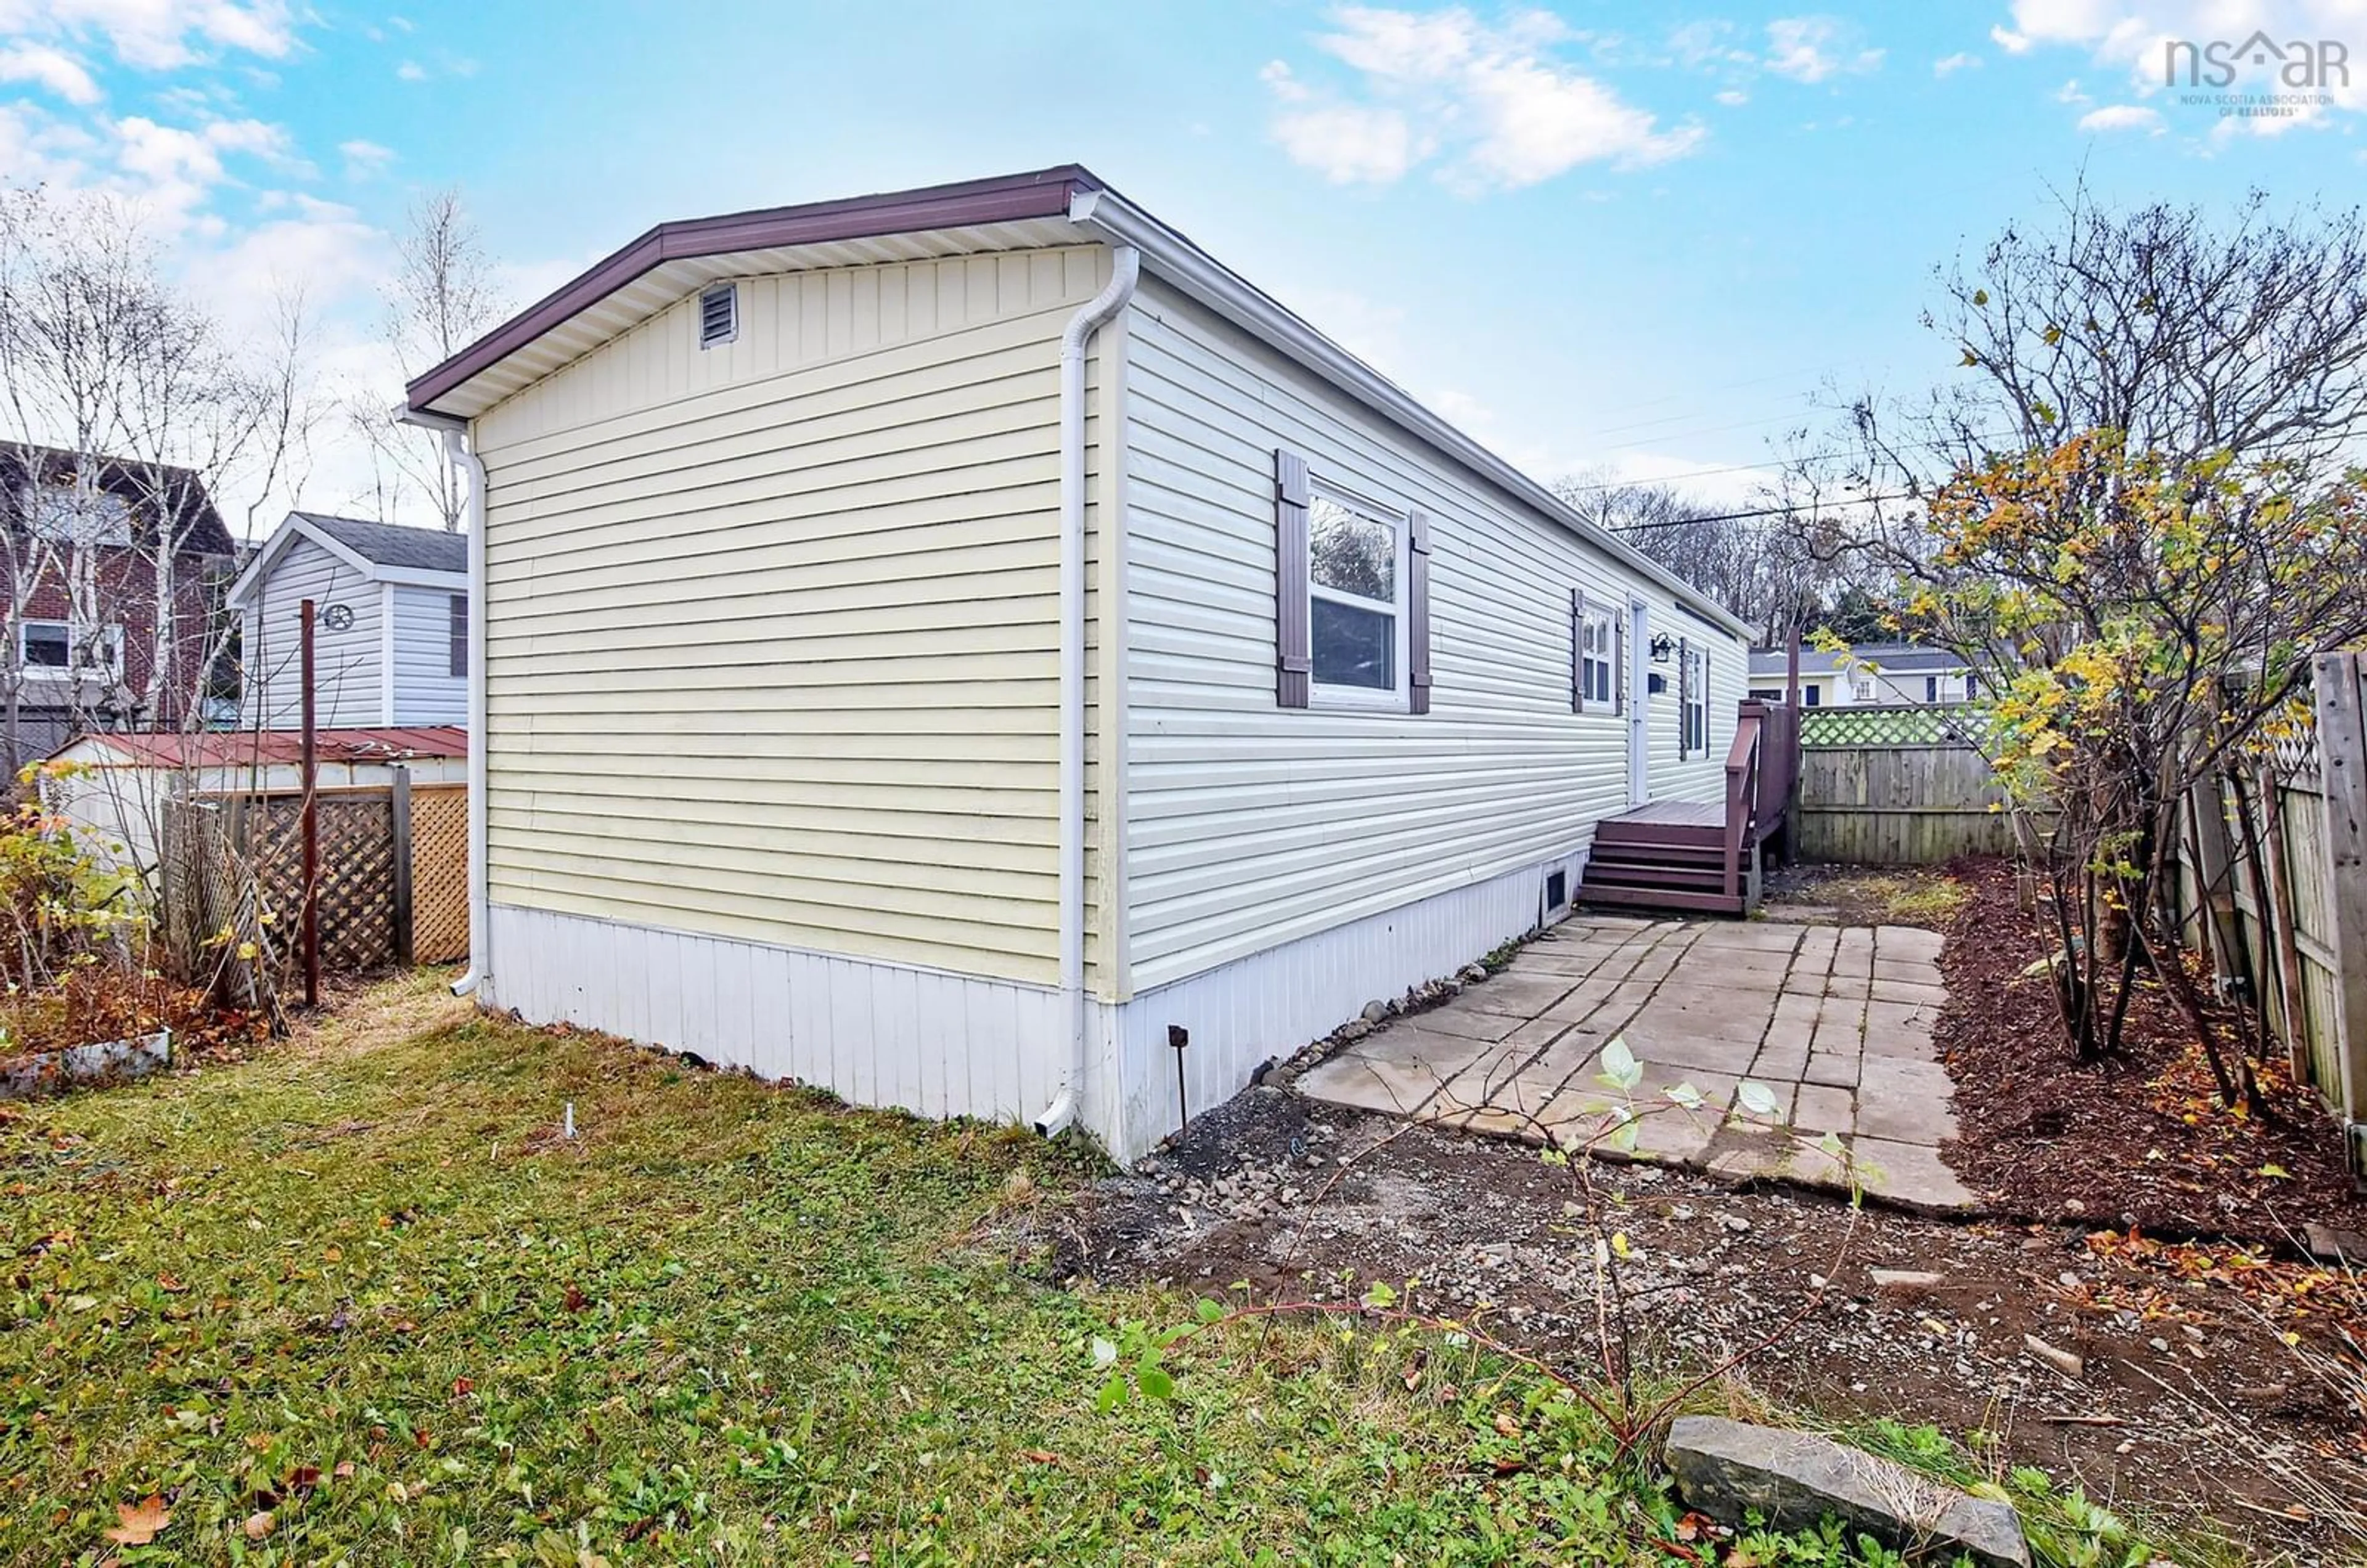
column 1740, row 517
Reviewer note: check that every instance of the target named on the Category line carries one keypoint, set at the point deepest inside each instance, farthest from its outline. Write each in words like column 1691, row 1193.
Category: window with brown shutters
column 1293, row 655
column 459, row 629
column 1351, row 596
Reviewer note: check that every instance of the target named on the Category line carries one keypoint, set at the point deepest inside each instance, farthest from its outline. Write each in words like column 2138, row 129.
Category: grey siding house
column 391, row 639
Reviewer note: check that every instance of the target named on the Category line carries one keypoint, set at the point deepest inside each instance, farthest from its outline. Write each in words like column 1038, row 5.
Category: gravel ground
column 2168, row 1396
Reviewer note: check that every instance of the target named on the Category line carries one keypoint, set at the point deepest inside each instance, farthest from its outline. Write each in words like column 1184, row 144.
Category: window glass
column 1351, row 553
column 1354, row 594
column 67, row 515
column 46, row 645
column 1354, row 646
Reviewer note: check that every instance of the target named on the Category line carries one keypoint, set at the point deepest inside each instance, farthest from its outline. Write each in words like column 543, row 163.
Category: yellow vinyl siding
column 773, row 640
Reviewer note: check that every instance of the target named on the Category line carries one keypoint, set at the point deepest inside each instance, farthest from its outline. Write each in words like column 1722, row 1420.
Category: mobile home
column 959, row 647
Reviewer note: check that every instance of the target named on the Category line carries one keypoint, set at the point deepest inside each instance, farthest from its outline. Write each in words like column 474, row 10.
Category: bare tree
column 1772, row 569
column 441, row 299
column 2199, row 337
column 129, row 409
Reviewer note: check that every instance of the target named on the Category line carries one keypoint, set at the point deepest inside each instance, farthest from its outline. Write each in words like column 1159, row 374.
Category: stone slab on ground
column 1833, row 1024
column 1795, row 1480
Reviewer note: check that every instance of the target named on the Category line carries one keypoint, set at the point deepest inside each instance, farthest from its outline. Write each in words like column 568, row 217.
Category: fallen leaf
column 140, row 1523
column 1507, row 1423
column 171, row 1286
column 575, row 1301
column 303, row 1478
column 258, row 1524
column 1040, row 1456
column 462, row 1387
column 345, row 1468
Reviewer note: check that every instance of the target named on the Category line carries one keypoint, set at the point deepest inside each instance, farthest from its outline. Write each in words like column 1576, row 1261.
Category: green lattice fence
column 1918, row 725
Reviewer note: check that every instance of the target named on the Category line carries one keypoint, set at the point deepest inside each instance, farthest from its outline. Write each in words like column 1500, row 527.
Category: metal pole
column 311, row 827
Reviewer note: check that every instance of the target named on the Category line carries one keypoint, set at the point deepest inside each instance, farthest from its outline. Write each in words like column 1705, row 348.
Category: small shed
column 112, row 787
column 391, row 636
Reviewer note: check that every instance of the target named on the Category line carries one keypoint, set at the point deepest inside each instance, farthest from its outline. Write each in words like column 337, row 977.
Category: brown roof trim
column 1044, row 193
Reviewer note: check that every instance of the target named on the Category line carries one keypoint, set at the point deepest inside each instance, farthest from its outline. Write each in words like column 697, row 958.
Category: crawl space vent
column 719, row 314
column 1557, row 889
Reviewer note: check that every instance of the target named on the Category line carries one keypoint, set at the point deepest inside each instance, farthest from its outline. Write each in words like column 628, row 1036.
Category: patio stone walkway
column 1835, row 1022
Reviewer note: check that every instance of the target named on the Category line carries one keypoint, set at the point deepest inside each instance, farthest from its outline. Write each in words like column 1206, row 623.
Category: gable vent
column 719, row 314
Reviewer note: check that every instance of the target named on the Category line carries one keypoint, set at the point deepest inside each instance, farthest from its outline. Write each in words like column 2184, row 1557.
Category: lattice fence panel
column 356, row 871
column 439, row 873
column 1910, row 726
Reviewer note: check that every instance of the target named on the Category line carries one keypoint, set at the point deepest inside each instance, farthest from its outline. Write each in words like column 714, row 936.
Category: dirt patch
column 2140, row 1142
column 2187, row 1405
column 1863, row 895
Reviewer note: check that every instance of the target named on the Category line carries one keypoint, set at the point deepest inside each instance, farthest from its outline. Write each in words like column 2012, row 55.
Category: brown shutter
column 1684, row 694
column 1292, row 636
column 1577, row 650
column 459, row 634
column 1418, row 612
column 1618, row 661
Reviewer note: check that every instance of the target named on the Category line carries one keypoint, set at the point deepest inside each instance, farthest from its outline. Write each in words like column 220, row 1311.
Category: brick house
column 80, row 597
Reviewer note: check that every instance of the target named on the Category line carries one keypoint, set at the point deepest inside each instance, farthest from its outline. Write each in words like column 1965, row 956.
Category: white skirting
column 884, row 1035
column 944, row 1044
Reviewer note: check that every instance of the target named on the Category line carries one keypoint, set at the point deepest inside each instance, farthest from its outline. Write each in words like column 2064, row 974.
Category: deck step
column 1656, row 854
column 1618, row 832
column 1658, row 899
column 1708, row 878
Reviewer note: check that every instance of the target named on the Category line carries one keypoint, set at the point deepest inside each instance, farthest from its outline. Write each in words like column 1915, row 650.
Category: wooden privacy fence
column 393, row 884
column 2274, row 884
column 1896, row 786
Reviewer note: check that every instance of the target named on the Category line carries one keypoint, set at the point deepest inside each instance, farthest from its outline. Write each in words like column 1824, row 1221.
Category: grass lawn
column 356, row 1300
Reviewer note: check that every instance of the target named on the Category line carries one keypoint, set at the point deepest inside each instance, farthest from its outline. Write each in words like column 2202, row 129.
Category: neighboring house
column 391, row 628
column 113, row 787
column 1879, row 674
column 80, row 596
column 874, row 700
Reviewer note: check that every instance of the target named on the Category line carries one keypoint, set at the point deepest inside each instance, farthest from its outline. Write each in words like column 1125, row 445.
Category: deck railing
column 1762, row 768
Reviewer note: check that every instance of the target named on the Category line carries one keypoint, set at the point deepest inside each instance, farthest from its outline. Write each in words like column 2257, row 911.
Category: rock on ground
column 1791, row 1480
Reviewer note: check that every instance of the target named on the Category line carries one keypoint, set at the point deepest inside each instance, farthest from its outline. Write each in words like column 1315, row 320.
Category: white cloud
column 1949, row 65
column 365, row 159
column 2122, row 117
column 2135, row 37
column 1734, row 98
column 1811, row 49
column 1348, row 144
column 1493, row 99
column 49, row 67
column 158, row 34
column 2072, row 93
column 410, row 70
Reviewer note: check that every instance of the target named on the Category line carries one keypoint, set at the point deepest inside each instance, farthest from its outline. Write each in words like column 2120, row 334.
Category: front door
column 1640, row 703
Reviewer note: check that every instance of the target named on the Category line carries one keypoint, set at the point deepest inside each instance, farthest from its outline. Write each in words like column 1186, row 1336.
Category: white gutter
column 481, row 923
column 1113, row 220
column 1126, row 265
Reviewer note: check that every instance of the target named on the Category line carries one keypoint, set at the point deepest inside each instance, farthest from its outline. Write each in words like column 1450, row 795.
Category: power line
column 1740, row 517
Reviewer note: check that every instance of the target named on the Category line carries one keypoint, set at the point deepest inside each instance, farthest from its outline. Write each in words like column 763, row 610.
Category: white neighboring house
column 391, row 636
column 1875, row 674
column 947, row 646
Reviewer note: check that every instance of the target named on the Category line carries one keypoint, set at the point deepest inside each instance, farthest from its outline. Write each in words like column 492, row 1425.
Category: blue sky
column 1637, row 235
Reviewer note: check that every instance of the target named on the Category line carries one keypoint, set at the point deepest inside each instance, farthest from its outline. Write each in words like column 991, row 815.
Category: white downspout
column 1125, row 270
column 455, row 432
column 480, row 909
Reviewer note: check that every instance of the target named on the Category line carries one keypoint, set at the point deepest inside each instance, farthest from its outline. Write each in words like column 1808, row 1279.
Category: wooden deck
column 1699, row 855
